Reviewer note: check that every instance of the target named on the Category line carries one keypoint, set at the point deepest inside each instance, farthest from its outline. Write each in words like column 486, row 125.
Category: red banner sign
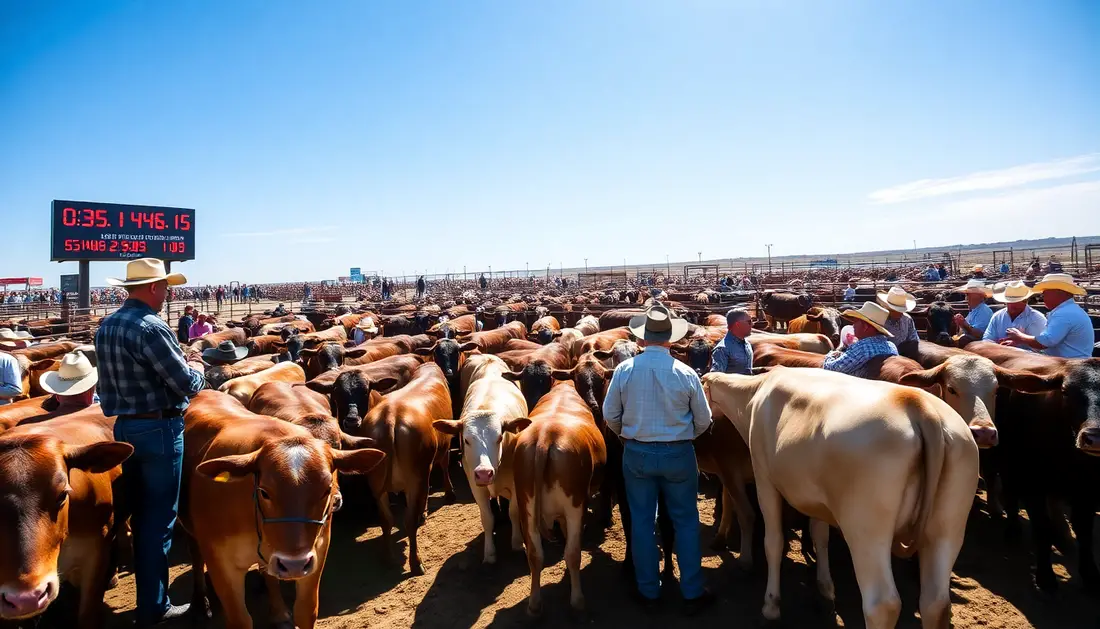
column 29, row 281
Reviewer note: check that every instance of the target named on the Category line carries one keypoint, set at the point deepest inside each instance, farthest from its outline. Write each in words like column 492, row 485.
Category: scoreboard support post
column 84, row 295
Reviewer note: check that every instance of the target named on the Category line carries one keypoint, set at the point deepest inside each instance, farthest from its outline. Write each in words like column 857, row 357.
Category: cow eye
column 466, row 441
column 62, row 497
column 951, row 390
column 264, row 494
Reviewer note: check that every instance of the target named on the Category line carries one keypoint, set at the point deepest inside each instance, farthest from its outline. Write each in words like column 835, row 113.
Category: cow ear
column 562, row 374
column 448, row 426
column 384, row 385
column 515, row 425
column 557, row 333
column 424, row 351
column 468, row 347
column 603, row 354
column 320, row 387
column 307, row 353
column 49, row 364
column 279, row 346
column 815, row 316
column 355, row 353
column 1027, row 382
column 676, row 350
column 357, row 461
column 531, row 336
column 226, row 468
column 350, row 442
column 924, row 378
column 514, row 376
column 97, row 457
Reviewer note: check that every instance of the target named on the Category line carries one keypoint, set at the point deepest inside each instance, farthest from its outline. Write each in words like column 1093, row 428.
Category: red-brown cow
column 243, row 387
column 58, row 521
column 210, row 341
column 397, row 370
column 545, row 330
column 218, row 375
column 493, row 341
column 559, row 461
column 588, row 325
column 280, row 520
column 533, row 369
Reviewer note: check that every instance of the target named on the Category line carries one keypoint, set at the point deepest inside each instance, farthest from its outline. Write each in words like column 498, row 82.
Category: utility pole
column 700, row 257
column 586, row 265
column 668, row 268
column 528, row 268
column 769, row 259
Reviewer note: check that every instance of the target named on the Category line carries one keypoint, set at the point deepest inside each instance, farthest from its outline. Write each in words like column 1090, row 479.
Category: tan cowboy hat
column 75, row 376
column 1059, row 281
column 7, row 334
column 871, row 313
column 1012, row 292
column 977, row 268
column 975, row 286
column 658, row 325
column 897, row 299
column 147, row 271
column 367, row 325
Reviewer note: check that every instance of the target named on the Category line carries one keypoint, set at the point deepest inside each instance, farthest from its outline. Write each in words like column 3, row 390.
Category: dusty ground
column 991, row 587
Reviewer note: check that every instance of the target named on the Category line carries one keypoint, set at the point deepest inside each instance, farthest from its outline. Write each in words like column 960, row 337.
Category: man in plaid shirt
column 874, row 340
column 145, row 380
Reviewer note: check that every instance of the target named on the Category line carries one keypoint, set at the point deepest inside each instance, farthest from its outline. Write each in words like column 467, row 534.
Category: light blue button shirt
column 1069, row 332
column 1029, row 322
column 979, row 317
column 11, row 378
column 655, row 398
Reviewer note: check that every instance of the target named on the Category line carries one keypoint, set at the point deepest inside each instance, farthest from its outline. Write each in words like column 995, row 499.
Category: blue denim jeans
column 152, row 481
column 669, row 469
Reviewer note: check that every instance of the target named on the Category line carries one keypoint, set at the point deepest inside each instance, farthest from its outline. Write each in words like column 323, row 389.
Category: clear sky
column 412, row 136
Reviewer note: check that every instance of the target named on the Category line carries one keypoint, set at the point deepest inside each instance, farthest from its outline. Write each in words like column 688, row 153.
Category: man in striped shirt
column 146, row 381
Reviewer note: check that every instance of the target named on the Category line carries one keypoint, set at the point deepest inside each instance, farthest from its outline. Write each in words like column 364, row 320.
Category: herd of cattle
column 892, row 461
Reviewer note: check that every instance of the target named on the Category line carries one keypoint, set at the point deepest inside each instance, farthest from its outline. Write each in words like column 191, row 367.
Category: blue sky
column 311, row 137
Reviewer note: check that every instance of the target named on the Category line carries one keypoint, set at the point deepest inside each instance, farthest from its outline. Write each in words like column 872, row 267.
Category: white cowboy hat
column 658, row 325
column 974, row 286
column 7, row 334
column 977, row 267
column 367, row 325
column 897, row 299
column 75, row 376
column 871, row 313
column 1059, row 281
column 147, row 271
column 1012, row 293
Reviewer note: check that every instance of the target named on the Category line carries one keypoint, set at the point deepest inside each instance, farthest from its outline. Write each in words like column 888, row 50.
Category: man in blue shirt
column 733, row 354
column 869, row 326
column 977, row 320
column 1016, row 314
column 145, row 380
column 1069, row 330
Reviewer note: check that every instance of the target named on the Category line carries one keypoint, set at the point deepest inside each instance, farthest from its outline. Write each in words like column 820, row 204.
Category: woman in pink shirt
column 200, row 327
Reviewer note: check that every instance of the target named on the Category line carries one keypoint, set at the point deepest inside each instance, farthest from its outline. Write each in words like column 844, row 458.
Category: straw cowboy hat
column 897, row 299
column 226, row 351
column 978, row 268
column 1059, row 281
column 870, row 313
column 975, row 286
column 658, row 325
column 367, row 325
column 75, row 376
column 147, row 271
column 1012, row 292
column 7, row 334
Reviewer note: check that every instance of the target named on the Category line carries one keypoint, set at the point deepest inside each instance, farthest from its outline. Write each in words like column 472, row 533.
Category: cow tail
column 934, row 455
column 542, row 453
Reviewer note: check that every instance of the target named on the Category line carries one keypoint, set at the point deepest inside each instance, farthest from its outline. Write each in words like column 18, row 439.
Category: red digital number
column 101, row 219
column 137, row 217
column 114, row 246
column 69, row 217
column 87, row 217
column 183, row 222
column 71, row 245
column 158, row 221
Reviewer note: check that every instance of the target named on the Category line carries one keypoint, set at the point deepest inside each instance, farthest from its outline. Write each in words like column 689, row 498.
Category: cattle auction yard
column 370, row 581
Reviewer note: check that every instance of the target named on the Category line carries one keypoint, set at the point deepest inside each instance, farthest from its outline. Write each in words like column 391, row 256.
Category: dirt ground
column 991, row 587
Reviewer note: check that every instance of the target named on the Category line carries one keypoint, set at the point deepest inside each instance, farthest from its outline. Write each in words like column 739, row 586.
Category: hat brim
column 910, row 303
column 1072, row 289
column 214, row 354
column 851, row 315
column 1002, row 298
column 51, row 382
column 973, row 289
column 371, row 330
column 173, row 279
column 678, row 329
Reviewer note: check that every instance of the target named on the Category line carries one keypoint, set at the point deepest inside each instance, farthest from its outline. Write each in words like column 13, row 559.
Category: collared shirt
column 141, row 366
column 979, row 317
column 849, row 294
column 903, row 329
column 183, row 328
column 732, row 355
column 11, row 378
column 852, row 360
column 1069, row 332
column 199, row 330
column 655, row 398
column 1029, row 322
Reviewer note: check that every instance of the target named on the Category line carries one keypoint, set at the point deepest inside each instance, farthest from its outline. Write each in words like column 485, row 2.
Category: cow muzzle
column 484, row 476
column 1088, row 441
column 985, row 436
column 18, row 603
column 288, row 567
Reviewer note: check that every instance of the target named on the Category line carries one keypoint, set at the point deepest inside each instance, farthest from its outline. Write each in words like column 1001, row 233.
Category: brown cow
column 532, row 369
column 493, row 341
column 33, row 362
column 559, row 461
column 618, row 318
column 264, row 345
column 35, row 407
column 331, row 356
column 401, row 426
column 714, row 320
column 518, row 345
column 398, row 368
column 454, row 328
column 545, row 330
column 300, row 406
column 243, row 387
column 218, row 375
column 58, row 478
column 782, row 307
column 816, row 343
column 332, row 335
column 298, row 326
column 588, row 325
column 818, row 321
column 210, row 341
column 279, row 520
column 601, row 341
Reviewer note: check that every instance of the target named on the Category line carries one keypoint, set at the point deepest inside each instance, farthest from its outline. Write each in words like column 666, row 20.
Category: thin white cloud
column 293, row 231
column 989, row 180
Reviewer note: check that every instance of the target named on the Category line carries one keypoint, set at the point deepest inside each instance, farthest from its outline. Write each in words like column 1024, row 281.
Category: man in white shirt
column 657, row 406
column 977, row 320
column 1068, row 333
column 1016, row 314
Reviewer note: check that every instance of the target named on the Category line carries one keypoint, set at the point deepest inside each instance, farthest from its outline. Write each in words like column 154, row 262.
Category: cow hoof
column 113, row 583
column 534, row 610
column 449, row 498
column 200, row 612
column 417, row 569
column 719, row 543
column 422, row 520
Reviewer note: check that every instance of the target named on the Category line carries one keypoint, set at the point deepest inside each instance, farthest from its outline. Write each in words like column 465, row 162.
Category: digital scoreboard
column 83, row 230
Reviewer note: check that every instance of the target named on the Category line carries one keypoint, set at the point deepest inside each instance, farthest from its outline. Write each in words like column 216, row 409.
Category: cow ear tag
column 222, row 478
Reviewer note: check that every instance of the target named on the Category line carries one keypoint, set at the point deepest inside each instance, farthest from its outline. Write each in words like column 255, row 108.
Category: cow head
column 483, row 434
column 1081, row 398
column 805, row 300
column 941, row 324
column 448, row 354
column 591, row 379
column 534, row 380
column 34, row 513
column 351, row 397
column 295, row 489
column 969, row 386
column 828, row 320
column 327, row 357
column 291, row 348
column 544, row 336
column 696, row 354
column 422, row 321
